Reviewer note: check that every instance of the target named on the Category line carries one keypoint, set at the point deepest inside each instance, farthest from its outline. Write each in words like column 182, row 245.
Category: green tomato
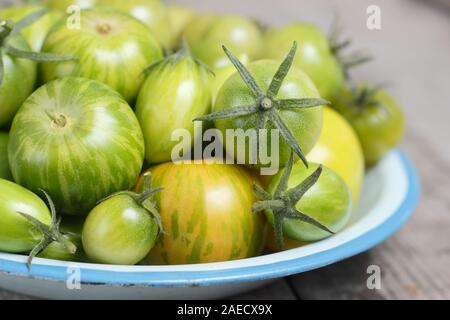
column 305, row 123
column 63, row 5
column 328, row 201
column 314, row 55
column 196, row 29
column 5, row 171
column 179, row 19
column 36, row 33
column 19, row 78
column 151, row 12
column 78, row 140
column 174, row 93
column 122, row 229
column 112, row 47
column 375, row 116
column 17, row 234
column 239, row 34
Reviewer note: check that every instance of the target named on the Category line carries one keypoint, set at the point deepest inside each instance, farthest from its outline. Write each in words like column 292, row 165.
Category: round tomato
column 239, row 34
column 63, row 5
column 123, row 228
column 221, row 75
column 315, row 56
column 306, row 204
column 111, row 46
column 256, row 99
column 17, row 80
column 77, row 139
column 151, row 12
column 5, row 171
column 376, row 117
column 174, row 93
column 35, row 34
column 339, row 149
column 179, row 19
column 26, row 223
column 212, row 224
column 196, row 29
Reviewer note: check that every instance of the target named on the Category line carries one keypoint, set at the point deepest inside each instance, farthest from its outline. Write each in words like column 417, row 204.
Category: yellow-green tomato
column 63, row 5
column 196, row 29
column 151, row 12
column 175, row 92
column 5, row 171
column 119, row 231
column 375, row 116
column 179, row 18
column 240, row 35
column 17, row 234
column 35, row 33
column 314, row 55
column 111, row 46
column 328, row 202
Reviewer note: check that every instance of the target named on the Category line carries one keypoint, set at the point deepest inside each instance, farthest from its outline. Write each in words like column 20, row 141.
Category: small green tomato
column 123, row 228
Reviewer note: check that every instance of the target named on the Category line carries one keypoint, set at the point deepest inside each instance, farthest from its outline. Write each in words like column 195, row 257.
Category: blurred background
column 412, row 57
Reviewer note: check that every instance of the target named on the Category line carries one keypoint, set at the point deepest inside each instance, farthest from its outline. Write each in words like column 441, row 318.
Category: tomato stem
column 267, row 106
column 283, row 202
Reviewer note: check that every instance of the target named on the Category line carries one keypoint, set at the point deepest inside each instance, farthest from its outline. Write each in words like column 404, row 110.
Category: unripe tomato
column 122, row 228
column 174, row 93
column 328, row 201
column 212, row 224
column 19, row 78
column 79, row 140
column 5, row 171
column 239, row 34
column 314, row 55
column 34, row 34
column 151, row 12
column 112, row 47
column 63, row 5
column 179, row 19
column 376, row 118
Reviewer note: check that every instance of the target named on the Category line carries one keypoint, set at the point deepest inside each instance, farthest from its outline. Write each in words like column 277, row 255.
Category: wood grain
column 412, row 56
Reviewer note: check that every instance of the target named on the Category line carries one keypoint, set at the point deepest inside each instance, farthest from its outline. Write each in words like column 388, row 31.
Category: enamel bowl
column 390, row 194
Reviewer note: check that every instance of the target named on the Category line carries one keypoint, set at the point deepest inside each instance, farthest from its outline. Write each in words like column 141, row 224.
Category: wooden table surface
column 412, row 53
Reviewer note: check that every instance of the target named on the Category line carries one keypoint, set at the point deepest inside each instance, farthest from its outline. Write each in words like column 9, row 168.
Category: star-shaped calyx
column 8, row 30
column 50, row 233
column 283, row 202
column 267, row 106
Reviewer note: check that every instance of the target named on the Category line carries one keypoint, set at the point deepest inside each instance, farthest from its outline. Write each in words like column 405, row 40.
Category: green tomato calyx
column 50, row 233
column 143, row 198
column 267, row 107
column 364, row 96
column 283, row 202
column 8, row 29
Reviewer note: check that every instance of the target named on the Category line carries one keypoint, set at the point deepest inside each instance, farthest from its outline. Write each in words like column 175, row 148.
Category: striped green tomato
column 112, row 47
column 63, row 5
column 328, row 201
column 175, row 92
column 36, row 33
column 205, row 211
column 151, row 12
column 18, row 235
column 19, row 78
column 78, row 140
column 5, row 171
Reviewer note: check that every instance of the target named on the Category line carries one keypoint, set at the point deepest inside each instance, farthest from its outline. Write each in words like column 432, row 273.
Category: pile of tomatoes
column 91, row 93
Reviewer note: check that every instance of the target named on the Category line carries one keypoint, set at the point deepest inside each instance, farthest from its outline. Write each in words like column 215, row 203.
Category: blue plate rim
column 239, row 274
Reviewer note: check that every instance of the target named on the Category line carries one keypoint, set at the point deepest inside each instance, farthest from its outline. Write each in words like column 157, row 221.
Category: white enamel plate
column 390, row 194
